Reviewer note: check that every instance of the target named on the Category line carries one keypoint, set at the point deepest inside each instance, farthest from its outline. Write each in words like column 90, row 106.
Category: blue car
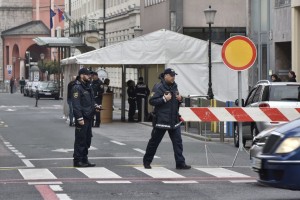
column 279, row 163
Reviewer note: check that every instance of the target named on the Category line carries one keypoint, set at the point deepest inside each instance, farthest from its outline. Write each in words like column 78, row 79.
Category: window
column 219, row 34
column 282, row 3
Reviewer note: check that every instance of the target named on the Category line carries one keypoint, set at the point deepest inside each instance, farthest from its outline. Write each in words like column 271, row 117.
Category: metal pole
column 142, row 109
column 240, row 105
column 209, row 92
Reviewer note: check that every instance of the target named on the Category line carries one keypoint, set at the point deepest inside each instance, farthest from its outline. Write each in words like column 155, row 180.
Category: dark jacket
column 166, row 114
column 141, row 90
column 98, row 89
column 131, row 93
column 292, row 79
column 69, row 92
column 83, row 100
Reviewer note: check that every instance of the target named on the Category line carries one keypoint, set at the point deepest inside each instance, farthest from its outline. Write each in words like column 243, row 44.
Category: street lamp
column 29, row 58
column 42, row 56
column 209, row 16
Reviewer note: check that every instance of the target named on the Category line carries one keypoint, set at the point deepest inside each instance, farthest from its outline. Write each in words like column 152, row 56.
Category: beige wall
column 193, row 15
column 295, row 3
column 155, row 17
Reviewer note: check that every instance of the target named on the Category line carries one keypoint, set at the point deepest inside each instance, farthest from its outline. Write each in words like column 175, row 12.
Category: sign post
column 239, row 53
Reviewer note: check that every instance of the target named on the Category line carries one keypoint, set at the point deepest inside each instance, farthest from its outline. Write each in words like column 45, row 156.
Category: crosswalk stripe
column 106, row 176
column 222, row 173
column 38, row 174
column 98, row 172
column 159, row 172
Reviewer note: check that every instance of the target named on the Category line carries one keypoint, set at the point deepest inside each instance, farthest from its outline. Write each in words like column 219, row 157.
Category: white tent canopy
column 187, row 55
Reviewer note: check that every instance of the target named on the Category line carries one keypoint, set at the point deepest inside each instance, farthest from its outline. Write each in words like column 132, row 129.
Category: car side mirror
column 237, row 102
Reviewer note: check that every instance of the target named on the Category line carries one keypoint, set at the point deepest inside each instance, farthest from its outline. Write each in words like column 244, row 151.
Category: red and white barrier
column 238, row 114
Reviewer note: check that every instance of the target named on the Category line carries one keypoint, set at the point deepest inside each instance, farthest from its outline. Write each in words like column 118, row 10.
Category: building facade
column 22, row 21
column 270, row 29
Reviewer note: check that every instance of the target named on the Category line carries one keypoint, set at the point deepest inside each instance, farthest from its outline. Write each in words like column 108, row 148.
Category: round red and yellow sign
column 239, row 53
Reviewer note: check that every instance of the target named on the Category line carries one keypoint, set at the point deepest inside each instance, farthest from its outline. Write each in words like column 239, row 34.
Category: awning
column 59, row 41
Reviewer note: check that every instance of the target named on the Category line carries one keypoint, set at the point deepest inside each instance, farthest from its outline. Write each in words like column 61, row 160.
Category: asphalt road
column 36, row 146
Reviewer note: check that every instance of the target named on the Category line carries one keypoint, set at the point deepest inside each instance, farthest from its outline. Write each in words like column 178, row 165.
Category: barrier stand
column 207, row 150
column 241, row 146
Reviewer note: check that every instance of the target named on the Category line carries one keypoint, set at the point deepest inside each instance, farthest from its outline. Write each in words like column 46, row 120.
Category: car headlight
column 288, row 145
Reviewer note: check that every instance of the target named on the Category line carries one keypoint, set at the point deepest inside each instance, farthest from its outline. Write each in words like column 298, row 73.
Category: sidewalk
column 192, row 132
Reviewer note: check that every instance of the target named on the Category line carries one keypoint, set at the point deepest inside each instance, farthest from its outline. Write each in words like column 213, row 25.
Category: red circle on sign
column 233, row 43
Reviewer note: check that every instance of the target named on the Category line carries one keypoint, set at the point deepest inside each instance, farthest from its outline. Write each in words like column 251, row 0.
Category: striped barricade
column 238, row 114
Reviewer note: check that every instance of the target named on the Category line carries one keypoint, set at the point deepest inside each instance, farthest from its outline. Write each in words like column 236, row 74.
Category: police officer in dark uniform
column 131, row 100
column 142, row 92
column 166, row 101
column 84, row 108
column 98, row 89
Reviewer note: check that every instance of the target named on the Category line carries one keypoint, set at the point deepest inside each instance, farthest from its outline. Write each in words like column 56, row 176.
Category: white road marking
column 98, row 172
column 179, row 182
column 39, row 174
column 112, row 182
column 159, row 172
column 222, row 173
column 116, row 142
column 143, row 152
column 36, row 174
column 56, row 188
column 63, row 197
column 243, row 181
column 44, row 183
column 27, row 163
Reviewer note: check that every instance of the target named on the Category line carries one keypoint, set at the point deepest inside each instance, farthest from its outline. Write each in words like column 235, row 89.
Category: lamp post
column 209, row 16
column 42, row 56
column 29, row 58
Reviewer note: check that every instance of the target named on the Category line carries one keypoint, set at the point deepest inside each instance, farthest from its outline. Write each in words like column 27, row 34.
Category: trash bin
column 107, row 106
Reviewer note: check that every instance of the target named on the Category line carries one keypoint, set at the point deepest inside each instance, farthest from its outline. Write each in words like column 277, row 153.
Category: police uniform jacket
column 166, row 113
column 83, row 100
column 141, row 90
column 98, row 89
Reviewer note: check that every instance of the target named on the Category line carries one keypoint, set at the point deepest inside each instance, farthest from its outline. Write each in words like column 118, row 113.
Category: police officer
column 131, row 100
column 84, row 108
column 98, row 89
column 142, row 92
column 69, row 100
column 166, row 101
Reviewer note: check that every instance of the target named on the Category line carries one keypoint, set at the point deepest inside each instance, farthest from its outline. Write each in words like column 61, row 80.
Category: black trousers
column 132, row 108
column 22, row 89
column 156, row 137
column 83, row 139
column 139, row 106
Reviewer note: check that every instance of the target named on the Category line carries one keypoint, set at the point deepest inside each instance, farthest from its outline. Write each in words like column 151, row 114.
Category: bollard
column 187, row 102
column 142, row 110
column 36, row 98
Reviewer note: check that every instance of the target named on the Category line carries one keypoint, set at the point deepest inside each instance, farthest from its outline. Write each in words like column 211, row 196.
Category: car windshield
column 48, row 85
column 284, row 93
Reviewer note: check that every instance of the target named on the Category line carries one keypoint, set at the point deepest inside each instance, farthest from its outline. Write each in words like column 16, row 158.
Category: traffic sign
column 239, row 53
